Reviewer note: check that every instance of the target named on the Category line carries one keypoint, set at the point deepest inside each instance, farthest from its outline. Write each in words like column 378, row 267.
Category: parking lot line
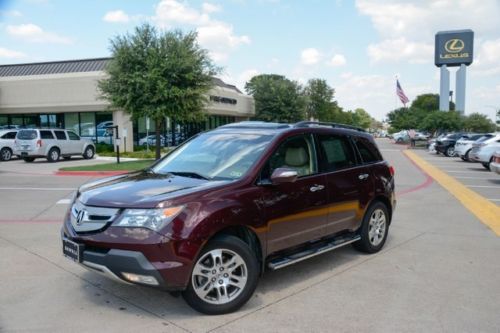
column 63, row 202
column 484, row 186
column 466, row 177
column 484, row 210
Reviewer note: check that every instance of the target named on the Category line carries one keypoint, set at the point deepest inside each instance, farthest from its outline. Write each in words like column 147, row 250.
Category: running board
column 306, row 254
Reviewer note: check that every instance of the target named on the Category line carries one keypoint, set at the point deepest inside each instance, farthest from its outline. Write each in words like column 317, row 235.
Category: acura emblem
column 80, row 216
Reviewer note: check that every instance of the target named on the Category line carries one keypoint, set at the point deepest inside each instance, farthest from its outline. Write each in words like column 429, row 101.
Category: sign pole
column 460, row 89
column 444, row 89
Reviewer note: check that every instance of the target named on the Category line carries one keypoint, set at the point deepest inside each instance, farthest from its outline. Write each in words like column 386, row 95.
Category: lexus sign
column 454, row 48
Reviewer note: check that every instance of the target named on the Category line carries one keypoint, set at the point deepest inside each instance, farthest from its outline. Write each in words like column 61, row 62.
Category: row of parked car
column 470, row 147
column 51, row 144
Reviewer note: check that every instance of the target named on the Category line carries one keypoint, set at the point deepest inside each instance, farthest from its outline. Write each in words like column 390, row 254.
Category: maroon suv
column 209, row 218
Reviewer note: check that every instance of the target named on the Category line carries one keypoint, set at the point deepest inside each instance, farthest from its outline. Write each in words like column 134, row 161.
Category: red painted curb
column 428, row 179
column 89, row 173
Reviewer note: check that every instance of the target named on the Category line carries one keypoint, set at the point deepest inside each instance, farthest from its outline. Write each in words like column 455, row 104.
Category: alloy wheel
column 219, row 276
column 6, row 155
column 376, row 227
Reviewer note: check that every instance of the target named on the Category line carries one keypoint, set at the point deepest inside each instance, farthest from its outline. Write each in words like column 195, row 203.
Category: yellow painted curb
column 487, row 212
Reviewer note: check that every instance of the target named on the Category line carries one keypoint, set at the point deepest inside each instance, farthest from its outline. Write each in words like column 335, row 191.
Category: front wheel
column 53, row 155
column 89, row 153
column 374, row 229
column 450, row 151
column 467, row 156
column 223, row 278
column 487, row 165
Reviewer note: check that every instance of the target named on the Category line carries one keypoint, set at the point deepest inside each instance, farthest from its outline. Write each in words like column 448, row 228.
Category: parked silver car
column 463, row 146
column 51, row 144
column 495, row 162
column 483, row 152
column 7, row 138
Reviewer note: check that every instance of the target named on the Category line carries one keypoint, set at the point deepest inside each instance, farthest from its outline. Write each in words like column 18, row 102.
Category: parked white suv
column 463, row 146
column 484, row 151
column 7, row 144
column 51, row 144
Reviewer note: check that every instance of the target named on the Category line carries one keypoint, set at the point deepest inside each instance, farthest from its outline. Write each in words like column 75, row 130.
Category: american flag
column 401, row 94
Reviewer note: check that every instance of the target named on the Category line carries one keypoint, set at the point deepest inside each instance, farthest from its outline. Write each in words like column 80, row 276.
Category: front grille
column 88, row 218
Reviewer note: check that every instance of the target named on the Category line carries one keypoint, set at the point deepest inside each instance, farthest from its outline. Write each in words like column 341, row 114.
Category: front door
column 295, row 212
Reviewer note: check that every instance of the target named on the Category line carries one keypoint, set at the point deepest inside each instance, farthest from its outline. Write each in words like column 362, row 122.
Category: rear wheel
column 53, row 155
column 487, row 165
column 223, row 278
column 374, row 229
column 5, row 154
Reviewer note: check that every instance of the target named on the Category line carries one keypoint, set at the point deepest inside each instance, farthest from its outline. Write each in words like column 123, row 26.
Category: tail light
column 391, row 170
column 39, row 143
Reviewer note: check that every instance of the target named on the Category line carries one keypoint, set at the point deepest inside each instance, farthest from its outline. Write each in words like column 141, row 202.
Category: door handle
column 316, row 188
column 363, row 176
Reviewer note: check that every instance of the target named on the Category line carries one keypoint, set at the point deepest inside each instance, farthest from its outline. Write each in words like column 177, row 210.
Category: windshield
column 215, row 156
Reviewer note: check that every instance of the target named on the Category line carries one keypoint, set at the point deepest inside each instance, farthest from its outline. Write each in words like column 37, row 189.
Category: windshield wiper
column 188, row 174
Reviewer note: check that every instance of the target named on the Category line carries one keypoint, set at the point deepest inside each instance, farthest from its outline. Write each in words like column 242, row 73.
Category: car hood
column 141, row 189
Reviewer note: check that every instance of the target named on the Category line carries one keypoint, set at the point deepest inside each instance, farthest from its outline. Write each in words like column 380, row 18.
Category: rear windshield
column 27, row 135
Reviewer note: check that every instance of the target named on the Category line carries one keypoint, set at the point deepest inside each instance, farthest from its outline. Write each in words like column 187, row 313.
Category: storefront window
column 4, row 122
column 71, row 122
column 87, row 124
column 103, row 120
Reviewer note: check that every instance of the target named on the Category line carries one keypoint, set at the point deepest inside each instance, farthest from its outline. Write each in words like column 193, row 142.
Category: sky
column 358, row 46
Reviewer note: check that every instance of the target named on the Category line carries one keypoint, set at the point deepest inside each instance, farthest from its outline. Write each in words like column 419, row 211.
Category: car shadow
column 273, row 286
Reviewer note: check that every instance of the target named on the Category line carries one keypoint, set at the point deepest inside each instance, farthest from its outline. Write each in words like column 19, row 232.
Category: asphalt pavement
column 438, row 272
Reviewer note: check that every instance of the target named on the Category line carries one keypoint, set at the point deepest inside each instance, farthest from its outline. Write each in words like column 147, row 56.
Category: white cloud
column 210, row 8
column 310, row 56
column 33, row 33
column 11, row 54
column 420, row 20
column 116, row 16
column 217, row 36
column 391, row 50
column 337, row 60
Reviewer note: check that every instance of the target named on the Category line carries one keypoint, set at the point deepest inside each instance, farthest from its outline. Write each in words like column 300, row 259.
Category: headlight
column 153, row 219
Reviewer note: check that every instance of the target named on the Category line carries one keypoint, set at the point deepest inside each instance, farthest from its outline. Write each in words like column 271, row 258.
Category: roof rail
column 256, row 124
column 334, row 125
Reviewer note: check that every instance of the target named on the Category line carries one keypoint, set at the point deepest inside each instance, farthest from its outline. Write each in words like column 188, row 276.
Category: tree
column 158, row 74
column 438, row 121
column 276, row 98
column 361, row 118
column 476, row 122
column 319, row 98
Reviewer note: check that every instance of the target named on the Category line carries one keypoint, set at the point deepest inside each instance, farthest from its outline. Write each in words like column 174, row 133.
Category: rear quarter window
column 368, row 151
column 60, row 135
column 9, row 135
column 27, row 135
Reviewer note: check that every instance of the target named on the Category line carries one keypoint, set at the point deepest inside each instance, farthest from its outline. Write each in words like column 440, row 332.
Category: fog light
column 145, row 279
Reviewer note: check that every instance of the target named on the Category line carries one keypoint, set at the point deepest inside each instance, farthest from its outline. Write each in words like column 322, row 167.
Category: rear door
column 295, row 212
column 62, row 141
column 347, row 182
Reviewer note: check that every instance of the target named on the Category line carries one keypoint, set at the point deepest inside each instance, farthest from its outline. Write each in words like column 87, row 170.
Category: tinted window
column 46, row 135
column 60, row 135
column 9, row 135
column 337, row 153
column 73, row 136
column 369, row 153
column 296, row 153
column 27, row 135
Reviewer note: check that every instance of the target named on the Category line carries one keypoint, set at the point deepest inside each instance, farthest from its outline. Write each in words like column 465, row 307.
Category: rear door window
column 60, row 135
column 46, row 135
column 368, row 151
column 336, row 153
column 27, row 135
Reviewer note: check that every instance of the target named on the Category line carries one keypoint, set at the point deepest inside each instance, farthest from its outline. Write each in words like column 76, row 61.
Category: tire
column 246, row 269
column 487, row 165
column 5, row 154
column 467, row 156
column 67, row 158
column 463, row 158
column 28, row 159
column 450, row 151
column 88, row 153
column 374, row 229
column 53, row 155
column 399, row 140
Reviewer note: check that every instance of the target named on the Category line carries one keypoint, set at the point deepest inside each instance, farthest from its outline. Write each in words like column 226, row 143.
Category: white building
column 63, row 94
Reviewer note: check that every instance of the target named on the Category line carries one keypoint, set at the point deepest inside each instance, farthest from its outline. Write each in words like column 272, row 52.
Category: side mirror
column 283, row 175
